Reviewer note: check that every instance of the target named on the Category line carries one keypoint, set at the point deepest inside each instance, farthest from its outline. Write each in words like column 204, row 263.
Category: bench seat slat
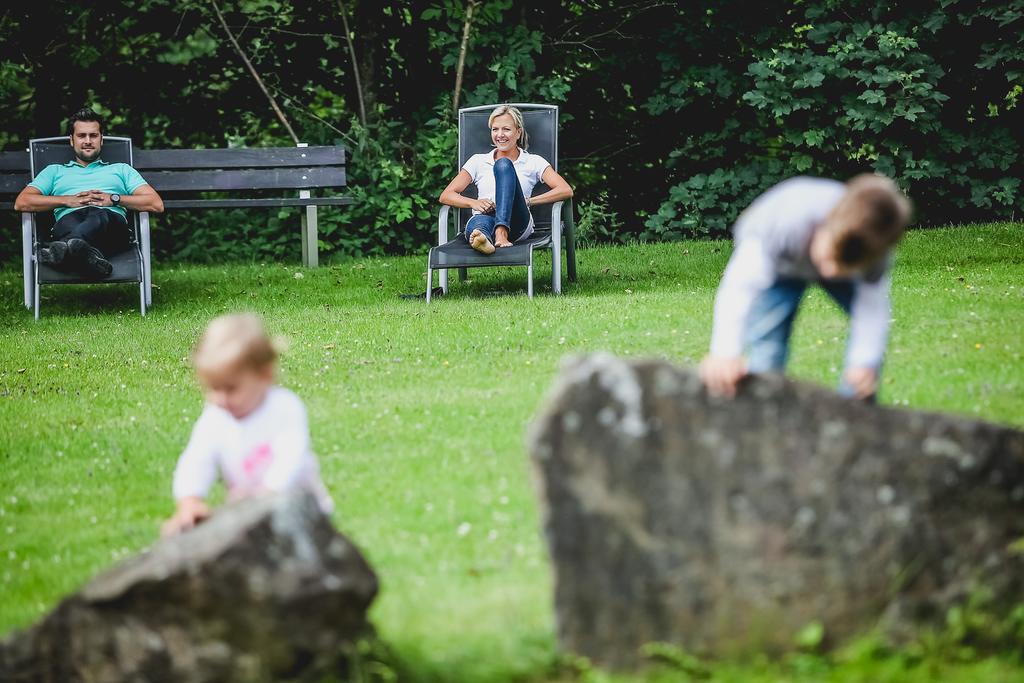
column 170, row 159
column 246, row 179
column 265, row 157
column 13, row 183
column 239, row 203
column 255, row 203
column 14, row 161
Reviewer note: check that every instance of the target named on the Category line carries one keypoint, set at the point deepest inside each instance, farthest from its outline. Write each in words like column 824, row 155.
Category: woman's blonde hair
column 517, row 118
column 234, row 342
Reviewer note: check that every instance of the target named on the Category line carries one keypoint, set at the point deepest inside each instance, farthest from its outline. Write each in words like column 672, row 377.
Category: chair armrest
column 569, row 230
column 147, row 264
column 442, row 224
column 556, row 221
column 570, row 220
column 28, row 229
column 143, row 230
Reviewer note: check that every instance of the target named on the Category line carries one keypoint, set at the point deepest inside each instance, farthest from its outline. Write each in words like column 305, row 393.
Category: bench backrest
column 541, row 124
column 14, row 176
column 57, row 150
column 190, row 170
column 18, row 168
column 268, row 168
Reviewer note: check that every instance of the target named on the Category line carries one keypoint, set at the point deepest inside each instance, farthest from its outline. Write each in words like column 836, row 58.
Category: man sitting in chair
column 88, row 197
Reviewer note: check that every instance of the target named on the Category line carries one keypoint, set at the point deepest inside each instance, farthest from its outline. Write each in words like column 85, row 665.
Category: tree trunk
column 255, row 74
column 470, row 6
column 355, row 62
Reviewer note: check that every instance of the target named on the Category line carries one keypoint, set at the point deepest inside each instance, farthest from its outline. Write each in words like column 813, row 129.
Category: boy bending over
column 251, row 433
column 803, row 231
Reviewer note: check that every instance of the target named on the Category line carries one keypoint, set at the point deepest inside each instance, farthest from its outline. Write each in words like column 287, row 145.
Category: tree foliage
column 674, row 115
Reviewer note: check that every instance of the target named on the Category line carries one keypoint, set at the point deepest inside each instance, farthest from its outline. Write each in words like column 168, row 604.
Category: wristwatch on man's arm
column 115, row 199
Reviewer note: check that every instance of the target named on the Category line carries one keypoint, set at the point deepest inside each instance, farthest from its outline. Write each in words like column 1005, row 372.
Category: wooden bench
column 14, row 176
column 174, row 172
column 181, row 175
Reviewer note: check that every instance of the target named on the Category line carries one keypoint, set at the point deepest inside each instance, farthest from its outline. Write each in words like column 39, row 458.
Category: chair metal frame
column 30, row 239
column 445, row 215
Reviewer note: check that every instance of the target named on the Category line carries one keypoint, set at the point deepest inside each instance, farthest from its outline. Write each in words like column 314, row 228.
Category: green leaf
column 814, row 138
column 811, row 636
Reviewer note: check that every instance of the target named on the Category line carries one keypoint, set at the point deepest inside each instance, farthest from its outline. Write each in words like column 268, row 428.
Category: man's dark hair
column 84, row 114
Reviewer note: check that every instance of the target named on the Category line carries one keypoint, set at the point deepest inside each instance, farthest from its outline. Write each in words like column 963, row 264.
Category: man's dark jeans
column 106, row 230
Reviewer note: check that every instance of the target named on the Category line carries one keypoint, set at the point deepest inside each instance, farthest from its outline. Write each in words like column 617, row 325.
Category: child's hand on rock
column 191, row 511
column 722, row 374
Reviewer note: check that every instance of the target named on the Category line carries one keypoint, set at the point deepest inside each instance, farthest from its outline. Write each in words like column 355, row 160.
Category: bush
column 598, row 222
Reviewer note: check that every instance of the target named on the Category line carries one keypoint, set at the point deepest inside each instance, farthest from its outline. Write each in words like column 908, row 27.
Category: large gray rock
column 726, row 526
column 265, row 589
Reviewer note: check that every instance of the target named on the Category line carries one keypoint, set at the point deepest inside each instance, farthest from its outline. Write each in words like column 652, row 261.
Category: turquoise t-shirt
column 72, row 178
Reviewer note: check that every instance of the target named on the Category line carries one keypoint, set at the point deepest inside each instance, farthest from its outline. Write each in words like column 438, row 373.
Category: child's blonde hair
column 517, row 118
column 870, row 218
column 234, row 342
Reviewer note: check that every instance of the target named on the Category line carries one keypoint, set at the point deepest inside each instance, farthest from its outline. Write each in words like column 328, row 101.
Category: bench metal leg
column 35, row 299
column 310, row 235
column 529, row 278
column 142, row 298
column 430, row 282
column 312, row 256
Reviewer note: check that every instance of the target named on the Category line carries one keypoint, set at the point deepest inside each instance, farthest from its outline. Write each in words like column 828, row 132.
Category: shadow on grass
column 602, row 271
column 78, row 300
column 599, row 274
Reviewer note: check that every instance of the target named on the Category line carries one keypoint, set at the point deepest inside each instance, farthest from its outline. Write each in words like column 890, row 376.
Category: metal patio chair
column 541, row 123
column 131, row 265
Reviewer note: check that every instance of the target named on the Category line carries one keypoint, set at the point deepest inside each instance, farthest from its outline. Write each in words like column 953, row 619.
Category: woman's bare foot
column 501, row 237
column 479, row 241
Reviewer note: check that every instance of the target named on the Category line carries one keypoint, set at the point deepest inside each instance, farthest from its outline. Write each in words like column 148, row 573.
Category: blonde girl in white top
column 251, row 434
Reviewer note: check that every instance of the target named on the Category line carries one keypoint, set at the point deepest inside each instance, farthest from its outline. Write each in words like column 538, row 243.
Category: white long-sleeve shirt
column 772, row 241
column 267, row 450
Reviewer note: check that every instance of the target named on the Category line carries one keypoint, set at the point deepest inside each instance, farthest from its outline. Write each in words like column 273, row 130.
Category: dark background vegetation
column 674, row 114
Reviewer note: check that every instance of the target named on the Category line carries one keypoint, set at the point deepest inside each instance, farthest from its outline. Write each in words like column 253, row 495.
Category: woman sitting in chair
column 504, row 180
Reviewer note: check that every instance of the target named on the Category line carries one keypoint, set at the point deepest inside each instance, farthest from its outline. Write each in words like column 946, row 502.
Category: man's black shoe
column 90, row 258
column 54, row 253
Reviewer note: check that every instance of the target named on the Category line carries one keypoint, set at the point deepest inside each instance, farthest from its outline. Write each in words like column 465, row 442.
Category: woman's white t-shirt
column 529, row 169
column 267, row 450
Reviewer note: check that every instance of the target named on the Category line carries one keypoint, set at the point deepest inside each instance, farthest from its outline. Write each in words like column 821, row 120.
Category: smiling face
column 505, row 133
column 87, row 141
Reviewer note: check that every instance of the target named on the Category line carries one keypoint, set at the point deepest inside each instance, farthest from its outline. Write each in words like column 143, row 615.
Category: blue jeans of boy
column 510, row 207
column 770, row 323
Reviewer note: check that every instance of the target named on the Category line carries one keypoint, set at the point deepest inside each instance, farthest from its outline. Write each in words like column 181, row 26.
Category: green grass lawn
column 418, row 415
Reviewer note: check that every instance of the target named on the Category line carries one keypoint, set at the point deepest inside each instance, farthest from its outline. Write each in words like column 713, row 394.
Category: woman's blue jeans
column 510, row 208
column 770, row 323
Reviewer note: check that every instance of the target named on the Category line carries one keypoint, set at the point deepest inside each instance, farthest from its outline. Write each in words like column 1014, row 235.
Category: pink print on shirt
column 257, row 461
